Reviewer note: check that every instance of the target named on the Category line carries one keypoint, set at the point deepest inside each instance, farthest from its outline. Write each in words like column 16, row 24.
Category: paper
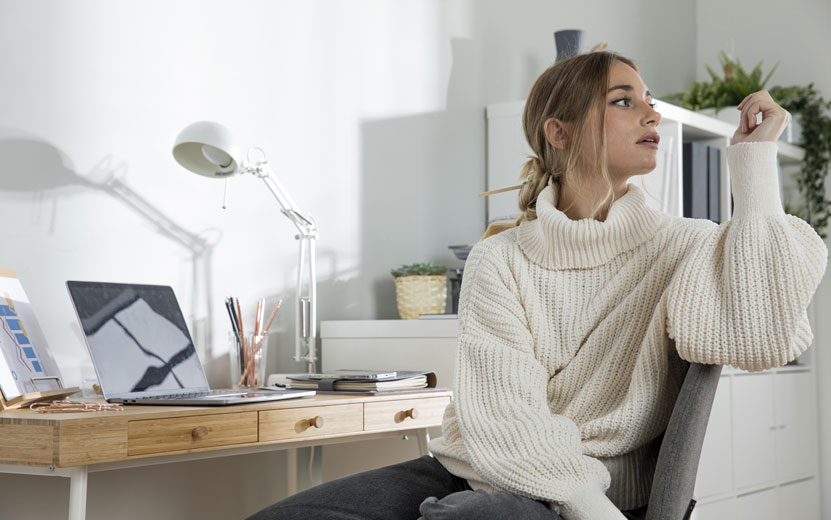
column 25, row 353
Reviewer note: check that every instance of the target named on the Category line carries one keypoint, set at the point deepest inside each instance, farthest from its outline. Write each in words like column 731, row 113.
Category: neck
column 579, row 201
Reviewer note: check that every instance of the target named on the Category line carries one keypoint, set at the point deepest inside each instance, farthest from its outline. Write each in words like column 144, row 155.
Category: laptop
column 142, row 351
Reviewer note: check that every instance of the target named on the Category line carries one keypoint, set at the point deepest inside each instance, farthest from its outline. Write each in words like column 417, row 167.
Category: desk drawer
column 186, row 433
column 413, row 413
column 318, row 421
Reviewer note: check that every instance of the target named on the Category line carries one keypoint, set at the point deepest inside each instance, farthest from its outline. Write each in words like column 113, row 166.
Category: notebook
column 142, row 351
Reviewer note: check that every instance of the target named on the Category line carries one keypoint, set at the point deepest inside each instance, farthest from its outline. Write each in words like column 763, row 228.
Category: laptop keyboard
column 190, row 395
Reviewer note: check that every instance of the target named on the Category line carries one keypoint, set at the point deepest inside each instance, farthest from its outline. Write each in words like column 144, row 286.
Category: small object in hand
column 66, row 406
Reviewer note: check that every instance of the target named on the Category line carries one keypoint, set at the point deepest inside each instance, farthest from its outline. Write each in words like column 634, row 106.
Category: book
column 356, row 375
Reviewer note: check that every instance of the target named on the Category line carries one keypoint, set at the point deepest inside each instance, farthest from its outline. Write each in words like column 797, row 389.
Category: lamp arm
column 306, row 317
column 304, row 223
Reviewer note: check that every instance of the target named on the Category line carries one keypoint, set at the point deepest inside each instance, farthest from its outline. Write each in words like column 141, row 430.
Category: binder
column 695, row 162
column 714, row 184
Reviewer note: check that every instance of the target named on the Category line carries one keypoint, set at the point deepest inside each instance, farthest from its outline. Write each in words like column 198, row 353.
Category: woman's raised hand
column 774, row 119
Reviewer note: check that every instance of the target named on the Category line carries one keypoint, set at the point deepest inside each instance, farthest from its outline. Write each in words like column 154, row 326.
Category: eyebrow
column 627, row 88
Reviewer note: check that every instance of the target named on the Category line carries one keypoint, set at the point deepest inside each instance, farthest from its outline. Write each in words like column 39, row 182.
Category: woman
column 577, row 323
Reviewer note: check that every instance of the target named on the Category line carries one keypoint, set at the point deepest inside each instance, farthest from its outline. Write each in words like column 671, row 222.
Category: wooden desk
column 74, row 444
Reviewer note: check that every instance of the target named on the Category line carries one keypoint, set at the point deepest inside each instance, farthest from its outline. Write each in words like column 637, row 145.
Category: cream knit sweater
column 573, row 335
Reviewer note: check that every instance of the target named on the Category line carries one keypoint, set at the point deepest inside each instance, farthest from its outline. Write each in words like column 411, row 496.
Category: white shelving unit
column 507, row 151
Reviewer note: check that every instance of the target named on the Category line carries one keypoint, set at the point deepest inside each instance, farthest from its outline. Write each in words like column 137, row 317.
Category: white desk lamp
column 208, row 148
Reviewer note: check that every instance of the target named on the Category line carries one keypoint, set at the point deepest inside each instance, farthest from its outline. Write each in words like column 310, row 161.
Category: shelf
column 696, row 126
column 389, row 329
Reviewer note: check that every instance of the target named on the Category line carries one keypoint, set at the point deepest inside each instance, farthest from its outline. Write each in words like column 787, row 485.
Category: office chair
column 671, row 497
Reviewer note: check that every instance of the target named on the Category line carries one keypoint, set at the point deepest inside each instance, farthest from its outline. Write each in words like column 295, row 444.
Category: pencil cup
column 248, row 359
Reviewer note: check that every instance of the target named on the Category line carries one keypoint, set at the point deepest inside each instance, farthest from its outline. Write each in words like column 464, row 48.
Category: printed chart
column 25, row 354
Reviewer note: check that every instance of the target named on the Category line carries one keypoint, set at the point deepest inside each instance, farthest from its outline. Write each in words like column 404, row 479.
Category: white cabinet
column 715, row 473
column 761, row 505
column 391, row 345
column 760, row 453
column 724, row 509
column 385, row 345
column 799, row 500
column 754, row 429
column 796, row 426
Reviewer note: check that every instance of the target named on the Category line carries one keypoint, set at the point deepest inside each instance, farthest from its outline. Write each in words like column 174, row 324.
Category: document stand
column 28, row 398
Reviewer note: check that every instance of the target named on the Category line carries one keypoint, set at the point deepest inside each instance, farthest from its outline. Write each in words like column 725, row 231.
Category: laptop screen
column 137, row 338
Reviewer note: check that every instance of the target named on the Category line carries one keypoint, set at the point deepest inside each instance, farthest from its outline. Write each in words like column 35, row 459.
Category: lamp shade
column 207, row 148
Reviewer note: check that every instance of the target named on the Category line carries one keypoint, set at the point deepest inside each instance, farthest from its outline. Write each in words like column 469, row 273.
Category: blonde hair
column 570, row 91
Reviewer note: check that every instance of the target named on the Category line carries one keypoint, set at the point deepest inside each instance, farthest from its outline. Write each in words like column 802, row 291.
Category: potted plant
column 420, row 288
column 804, row 103
column 815, row 114
column 721, row 92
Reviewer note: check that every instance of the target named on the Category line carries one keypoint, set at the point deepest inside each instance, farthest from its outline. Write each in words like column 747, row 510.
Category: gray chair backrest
column 674, row 481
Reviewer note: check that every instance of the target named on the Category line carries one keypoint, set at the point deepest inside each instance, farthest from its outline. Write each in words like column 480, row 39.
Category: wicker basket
column 417, row 295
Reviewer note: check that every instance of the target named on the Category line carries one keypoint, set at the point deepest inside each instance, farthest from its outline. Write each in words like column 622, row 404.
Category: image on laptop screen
column 137, row 337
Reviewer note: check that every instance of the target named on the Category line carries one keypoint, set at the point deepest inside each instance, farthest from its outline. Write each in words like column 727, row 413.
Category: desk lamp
column 208, row 148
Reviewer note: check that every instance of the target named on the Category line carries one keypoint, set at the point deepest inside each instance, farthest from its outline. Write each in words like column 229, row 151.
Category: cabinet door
column 796, row 440
column 721, row 510
column 760, row 506
column 753, row 430
column 800, row 500
column 715, row 468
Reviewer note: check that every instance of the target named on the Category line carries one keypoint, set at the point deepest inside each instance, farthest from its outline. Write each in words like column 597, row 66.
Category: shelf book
column 28, row 372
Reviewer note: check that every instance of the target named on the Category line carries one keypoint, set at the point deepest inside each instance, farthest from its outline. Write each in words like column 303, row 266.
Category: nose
column 652, row 116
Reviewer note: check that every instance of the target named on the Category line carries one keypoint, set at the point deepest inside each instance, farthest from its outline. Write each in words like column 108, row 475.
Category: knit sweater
column 574, row 335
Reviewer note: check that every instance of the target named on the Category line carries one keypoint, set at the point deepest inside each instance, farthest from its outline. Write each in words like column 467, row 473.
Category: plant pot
column 792, row 134
column 417, row 295
column 726, row 114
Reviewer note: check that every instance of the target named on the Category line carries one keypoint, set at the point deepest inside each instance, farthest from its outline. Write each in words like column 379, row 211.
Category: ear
column 556, row 133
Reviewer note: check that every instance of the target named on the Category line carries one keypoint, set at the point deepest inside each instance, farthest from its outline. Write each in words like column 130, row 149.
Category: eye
column 652, row 105
column 626, row 102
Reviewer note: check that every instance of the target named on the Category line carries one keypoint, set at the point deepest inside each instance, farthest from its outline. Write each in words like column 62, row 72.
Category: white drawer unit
column 761, row 451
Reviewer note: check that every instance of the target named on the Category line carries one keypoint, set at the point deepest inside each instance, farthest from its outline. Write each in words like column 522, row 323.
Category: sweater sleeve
column 512, row 439
column 740, row 296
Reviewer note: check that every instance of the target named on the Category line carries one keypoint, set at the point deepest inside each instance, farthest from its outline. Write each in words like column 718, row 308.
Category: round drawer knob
column 411, row 413
column 200, row 432
column 316, row 422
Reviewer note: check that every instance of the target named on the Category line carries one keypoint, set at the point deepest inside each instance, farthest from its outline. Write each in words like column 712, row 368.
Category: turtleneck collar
column 554, row 241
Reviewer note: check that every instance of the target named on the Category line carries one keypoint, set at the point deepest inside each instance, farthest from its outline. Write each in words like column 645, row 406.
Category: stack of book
column 364, row 381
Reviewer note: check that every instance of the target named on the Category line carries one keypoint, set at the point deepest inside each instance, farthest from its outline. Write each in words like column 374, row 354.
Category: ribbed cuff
column 754, row 178
column 589, row 503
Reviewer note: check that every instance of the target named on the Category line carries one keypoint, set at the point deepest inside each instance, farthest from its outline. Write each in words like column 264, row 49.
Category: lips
column 651, row 140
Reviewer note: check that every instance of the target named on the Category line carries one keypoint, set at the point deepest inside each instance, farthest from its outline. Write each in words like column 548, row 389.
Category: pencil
column 273, row 313
column 244, row 359
column 257, row 347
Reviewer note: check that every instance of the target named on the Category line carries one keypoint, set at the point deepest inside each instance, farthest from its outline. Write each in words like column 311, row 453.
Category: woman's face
column 631, row 126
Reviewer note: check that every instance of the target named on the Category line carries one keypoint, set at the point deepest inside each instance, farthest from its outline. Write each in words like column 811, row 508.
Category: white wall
column 372, row 113
column 796, row 36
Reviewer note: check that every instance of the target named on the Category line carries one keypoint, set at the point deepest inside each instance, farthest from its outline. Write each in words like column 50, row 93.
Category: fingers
column 760, row 105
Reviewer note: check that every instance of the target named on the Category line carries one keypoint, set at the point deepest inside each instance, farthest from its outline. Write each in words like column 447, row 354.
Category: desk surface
column 74, row 439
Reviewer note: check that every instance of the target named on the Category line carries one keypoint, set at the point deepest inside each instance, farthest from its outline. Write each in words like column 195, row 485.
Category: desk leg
column 78, row 493
column 423, row 438
column 291, row 471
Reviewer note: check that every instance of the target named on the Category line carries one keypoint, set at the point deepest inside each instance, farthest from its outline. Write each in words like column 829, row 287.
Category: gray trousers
column 416, row 489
